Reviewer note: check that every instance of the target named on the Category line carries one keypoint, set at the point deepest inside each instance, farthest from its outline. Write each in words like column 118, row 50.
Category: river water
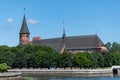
column 69, row 77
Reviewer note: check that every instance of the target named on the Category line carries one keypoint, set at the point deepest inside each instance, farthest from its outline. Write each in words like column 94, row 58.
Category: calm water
column 51, row 77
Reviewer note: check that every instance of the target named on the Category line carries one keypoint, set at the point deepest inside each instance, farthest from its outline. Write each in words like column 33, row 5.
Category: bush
column 4, row 67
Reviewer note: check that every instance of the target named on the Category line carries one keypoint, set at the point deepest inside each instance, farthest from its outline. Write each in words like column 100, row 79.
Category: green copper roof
column 24, row 27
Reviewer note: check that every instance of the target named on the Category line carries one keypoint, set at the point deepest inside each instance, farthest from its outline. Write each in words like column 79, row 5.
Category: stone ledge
column 10, row 74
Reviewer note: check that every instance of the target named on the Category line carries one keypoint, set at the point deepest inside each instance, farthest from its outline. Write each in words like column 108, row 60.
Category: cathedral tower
column 24, row 33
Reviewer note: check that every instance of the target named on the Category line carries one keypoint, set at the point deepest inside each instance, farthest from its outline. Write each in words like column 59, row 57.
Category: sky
column 45, row 17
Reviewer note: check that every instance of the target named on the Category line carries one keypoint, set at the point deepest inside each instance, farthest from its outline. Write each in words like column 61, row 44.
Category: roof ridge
column 71, row 36
column 83, row 36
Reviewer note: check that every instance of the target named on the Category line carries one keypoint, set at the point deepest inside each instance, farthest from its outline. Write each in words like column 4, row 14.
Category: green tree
column 66, row 60
column 115, row 47
column 108, row 45
column 81, row 60
column 114, row 58
column 99, row 60
column 7, row 57
column 107, row 60
column 92, row 60
column 20, row 59
column 4, row 67
column 39, row 58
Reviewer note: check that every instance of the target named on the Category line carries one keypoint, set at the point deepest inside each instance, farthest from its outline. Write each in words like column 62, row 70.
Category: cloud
column 32, row 21
column 9, row 20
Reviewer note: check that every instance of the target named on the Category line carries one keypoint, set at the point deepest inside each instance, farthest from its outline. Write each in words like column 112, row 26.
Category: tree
column 92, row 60
column 99, row 60
column 6, row 55
column 20, row 59
column 4, row 67
column 81, row 60
column 38, row 58
column 115, row 47
column 8, row 58
column 107, row 60
column 66, row 60
column 114, row 58
column 108, row 45
column 53, row 59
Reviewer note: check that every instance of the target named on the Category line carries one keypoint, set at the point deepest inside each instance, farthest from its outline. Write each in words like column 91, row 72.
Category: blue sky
column 45, row 17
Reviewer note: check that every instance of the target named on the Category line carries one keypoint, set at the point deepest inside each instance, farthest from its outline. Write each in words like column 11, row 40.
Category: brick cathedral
column 84, row 43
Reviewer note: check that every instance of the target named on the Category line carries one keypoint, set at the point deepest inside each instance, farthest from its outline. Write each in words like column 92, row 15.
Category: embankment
column 65, row 72
column 10, row 76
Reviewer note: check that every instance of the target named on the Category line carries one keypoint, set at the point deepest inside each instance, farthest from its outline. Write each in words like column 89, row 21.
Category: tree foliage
column 41, row 56
column 4, row 67
column 113, row 47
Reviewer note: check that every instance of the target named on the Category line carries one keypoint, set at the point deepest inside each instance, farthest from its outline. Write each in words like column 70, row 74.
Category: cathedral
column 74, row 44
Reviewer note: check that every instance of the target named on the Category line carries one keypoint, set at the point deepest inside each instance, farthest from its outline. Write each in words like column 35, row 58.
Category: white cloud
column 32, row 21
column 10, row 20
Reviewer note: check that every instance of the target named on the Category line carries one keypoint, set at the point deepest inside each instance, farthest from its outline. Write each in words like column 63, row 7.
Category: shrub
column 4, row 67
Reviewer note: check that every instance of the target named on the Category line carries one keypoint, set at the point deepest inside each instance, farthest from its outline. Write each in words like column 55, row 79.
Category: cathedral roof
column 71, row 42
column 24, row 27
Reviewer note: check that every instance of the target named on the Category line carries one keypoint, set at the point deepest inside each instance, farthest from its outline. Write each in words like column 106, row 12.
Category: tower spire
column 63, row 36
column 24, row 32
column 24, row 27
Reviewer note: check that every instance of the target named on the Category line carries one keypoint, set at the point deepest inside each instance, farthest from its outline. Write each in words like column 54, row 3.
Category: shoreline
column 10, row 76
column 66, row 71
